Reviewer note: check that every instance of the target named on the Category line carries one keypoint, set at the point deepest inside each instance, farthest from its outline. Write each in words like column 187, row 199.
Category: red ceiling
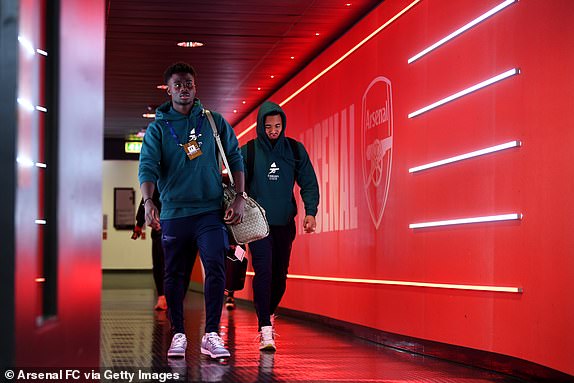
column 246, row 42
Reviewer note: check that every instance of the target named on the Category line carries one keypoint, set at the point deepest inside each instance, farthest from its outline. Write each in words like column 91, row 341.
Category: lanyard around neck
column 197, row 129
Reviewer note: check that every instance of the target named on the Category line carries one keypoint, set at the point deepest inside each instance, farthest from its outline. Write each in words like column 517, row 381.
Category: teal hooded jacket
column 187, row 187
column 276, row 170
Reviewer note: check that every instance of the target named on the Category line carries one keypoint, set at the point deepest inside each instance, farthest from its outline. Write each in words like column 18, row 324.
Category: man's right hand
column 151, row 215
column 137, row 232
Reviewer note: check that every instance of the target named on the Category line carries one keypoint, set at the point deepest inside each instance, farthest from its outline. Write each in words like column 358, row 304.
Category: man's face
column 273, row 127
column 181, row 88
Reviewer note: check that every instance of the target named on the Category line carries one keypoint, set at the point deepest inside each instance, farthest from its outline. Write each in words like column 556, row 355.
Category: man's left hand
column 309, row 224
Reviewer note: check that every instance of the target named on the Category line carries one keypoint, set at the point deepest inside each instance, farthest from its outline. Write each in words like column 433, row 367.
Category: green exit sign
column 133, row 146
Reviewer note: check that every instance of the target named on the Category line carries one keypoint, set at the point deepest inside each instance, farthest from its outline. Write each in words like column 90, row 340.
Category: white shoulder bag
column 254, row 225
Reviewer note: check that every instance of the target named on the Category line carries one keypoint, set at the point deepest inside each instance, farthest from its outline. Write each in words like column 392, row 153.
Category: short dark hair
column 179, row 67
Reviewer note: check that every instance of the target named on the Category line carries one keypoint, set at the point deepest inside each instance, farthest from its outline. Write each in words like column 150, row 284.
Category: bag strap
column 219, row 146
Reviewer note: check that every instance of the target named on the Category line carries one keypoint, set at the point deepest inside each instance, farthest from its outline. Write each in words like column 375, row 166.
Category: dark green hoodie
column 274, row 172
column 187, row 187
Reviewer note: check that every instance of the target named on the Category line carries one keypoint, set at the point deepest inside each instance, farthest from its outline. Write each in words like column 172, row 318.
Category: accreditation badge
column 192, row 149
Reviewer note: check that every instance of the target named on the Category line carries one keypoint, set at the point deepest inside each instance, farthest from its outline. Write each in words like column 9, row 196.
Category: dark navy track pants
column 181, row 237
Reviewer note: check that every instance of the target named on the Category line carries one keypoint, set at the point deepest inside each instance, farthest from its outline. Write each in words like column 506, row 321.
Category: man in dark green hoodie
column 274, row 163
column 179, row 153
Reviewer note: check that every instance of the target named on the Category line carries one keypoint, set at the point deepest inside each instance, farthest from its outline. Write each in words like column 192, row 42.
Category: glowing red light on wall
column 336, row 62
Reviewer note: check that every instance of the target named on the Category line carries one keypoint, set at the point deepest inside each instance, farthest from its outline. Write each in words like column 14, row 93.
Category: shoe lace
column 178, row 341
column 266, row 336
column 215, row 339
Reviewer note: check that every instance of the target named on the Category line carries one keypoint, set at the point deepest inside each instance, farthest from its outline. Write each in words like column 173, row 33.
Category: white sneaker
column 178, row 346
column 267, row 338
column 212, row 345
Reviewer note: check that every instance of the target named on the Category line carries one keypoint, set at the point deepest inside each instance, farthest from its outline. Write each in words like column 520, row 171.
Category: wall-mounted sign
column 133, row 146
column 124, row 208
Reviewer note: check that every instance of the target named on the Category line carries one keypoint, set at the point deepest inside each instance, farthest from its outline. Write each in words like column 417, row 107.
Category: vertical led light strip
column 461, row 221
column 29, row 106
column 476, row 153
column 462, row 29
column 466, row 91
column 26, row 104
column 27, row 45
column 498, row 289
column 336, row 62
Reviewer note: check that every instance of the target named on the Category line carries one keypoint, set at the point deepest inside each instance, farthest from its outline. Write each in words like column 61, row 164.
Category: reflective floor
column 133, row 335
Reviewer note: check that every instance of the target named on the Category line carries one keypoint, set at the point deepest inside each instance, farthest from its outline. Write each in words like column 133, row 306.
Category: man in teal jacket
column 179, row 153
column 276, row 163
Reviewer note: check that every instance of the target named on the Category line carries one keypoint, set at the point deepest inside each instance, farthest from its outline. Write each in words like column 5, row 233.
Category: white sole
column 207, row 352
column 268, row 347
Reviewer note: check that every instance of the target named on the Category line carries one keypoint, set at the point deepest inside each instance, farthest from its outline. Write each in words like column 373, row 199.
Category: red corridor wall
column 500, row 286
